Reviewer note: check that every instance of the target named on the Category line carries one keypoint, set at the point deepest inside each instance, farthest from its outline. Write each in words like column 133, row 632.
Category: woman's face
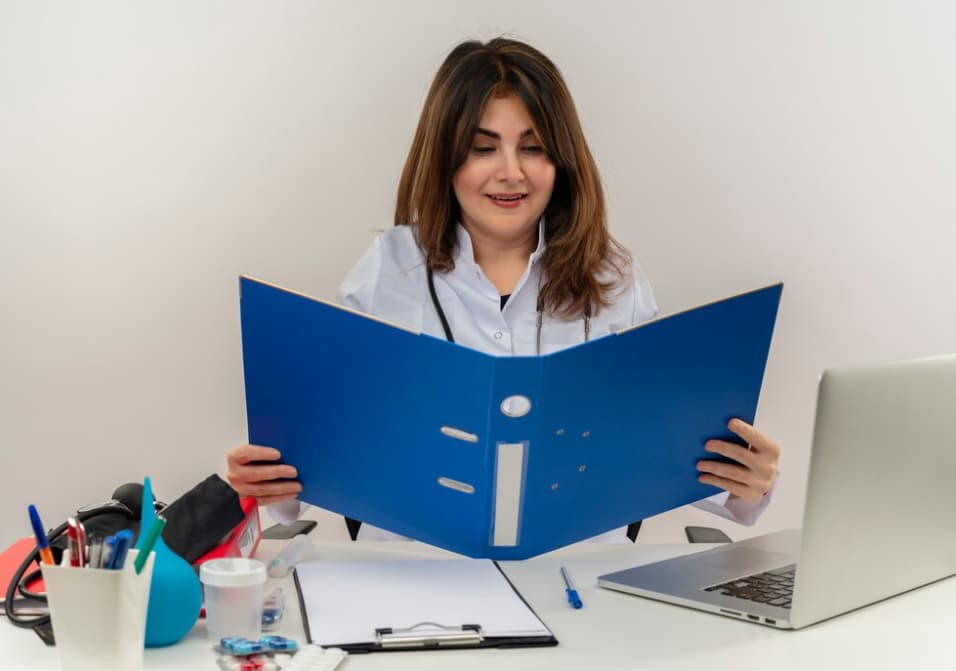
column 506, row 182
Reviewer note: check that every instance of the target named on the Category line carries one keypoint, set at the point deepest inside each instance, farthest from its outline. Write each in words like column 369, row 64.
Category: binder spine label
column 509, row 479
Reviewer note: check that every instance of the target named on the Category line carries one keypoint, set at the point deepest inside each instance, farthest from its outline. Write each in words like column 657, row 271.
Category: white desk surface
column 613, row 630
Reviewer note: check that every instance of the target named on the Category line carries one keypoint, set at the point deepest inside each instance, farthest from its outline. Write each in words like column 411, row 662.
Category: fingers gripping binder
column 498, row 457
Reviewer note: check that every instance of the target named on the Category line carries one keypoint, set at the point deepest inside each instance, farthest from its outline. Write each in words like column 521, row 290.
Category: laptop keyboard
column 771, row 587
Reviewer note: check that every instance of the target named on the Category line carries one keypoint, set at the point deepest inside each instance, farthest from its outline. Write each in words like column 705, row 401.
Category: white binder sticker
column 509, row 478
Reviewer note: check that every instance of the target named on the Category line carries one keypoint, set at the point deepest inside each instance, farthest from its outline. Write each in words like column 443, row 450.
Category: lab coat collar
column 466, row 252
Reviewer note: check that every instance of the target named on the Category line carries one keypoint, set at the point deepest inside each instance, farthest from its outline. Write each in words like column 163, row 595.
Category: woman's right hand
column 269, row 483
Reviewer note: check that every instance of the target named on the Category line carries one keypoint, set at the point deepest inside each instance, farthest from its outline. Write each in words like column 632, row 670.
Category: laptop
column 880, row 512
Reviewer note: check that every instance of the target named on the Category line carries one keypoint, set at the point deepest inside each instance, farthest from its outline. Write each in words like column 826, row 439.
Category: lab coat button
column 498, row 335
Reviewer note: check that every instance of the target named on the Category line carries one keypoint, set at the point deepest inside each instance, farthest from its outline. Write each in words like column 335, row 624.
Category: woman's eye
column 533, row 149
column 482, row 150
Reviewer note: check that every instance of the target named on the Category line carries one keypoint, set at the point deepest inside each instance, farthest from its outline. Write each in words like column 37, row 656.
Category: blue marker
column 573, row 597
column 121, row 544
column 109, row 544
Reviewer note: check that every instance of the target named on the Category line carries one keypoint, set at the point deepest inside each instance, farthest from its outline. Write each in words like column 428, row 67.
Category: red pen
column 76, row 535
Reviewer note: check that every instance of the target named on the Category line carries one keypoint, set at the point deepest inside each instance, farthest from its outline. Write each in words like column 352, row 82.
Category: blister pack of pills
column 316, row 658
column 250, row 663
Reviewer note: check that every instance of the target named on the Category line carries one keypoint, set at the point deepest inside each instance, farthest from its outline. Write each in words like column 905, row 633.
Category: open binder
column 413, row 604
column 500, row 457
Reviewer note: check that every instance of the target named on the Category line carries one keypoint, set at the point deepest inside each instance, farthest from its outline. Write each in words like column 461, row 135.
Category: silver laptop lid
column 880, row 515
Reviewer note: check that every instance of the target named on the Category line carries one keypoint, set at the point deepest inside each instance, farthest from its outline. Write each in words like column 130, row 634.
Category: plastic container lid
column 232, row 572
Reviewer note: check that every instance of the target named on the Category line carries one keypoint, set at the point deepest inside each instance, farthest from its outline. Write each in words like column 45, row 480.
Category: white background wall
column 152, row 152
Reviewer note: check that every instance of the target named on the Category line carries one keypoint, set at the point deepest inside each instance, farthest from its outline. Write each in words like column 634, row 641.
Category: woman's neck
column 503, row 261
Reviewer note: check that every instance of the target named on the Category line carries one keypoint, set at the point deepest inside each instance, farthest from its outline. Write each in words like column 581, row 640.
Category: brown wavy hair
column 582, row 263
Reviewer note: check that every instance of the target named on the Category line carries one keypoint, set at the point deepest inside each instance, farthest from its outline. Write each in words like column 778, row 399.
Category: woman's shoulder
column 630, row 296
column 399, row 249
column 644, row 303
column 390, row 264
column 392, row 251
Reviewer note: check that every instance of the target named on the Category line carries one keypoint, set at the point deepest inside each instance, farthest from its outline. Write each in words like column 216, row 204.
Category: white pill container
column 232, row 592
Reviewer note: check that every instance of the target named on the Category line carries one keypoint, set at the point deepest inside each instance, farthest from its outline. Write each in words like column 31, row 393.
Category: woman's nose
column 509, row 168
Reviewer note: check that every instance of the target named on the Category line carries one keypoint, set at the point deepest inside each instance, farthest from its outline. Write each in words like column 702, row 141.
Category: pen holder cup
column 98, row 615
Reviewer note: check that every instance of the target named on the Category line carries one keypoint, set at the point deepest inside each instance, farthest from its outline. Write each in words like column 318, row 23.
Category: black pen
column 573, row 597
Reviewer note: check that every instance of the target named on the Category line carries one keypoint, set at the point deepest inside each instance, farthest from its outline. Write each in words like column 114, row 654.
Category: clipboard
column 498, row 457
column 390, row 605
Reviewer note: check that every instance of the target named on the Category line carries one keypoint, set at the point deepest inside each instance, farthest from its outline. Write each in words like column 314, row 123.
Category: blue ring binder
column 349, row 400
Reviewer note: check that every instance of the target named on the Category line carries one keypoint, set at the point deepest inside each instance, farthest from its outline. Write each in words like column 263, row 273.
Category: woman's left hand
column 756, row 468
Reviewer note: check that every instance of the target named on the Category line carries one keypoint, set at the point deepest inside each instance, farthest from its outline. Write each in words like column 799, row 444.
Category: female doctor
column 501, row 244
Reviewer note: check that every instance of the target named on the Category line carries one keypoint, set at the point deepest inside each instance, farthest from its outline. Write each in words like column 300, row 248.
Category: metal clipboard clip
column 429, row 635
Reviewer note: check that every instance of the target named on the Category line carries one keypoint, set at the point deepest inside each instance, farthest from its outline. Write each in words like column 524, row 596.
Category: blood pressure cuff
column 200, row 519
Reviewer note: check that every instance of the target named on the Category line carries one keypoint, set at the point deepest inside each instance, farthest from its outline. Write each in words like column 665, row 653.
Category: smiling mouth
column 508, row 198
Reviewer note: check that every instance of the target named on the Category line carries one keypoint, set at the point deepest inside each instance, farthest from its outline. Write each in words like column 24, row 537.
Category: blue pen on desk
column 573, row 597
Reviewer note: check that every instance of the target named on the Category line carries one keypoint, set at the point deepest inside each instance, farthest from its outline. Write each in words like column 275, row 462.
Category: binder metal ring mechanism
column 436, row 636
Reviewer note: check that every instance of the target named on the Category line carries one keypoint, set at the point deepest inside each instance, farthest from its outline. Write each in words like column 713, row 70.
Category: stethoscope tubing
column 538, row 321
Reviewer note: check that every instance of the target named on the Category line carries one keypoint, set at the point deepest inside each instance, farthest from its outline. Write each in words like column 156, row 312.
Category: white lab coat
column 389, row 282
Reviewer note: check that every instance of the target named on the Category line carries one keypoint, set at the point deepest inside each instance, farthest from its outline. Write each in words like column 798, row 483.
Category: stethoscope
column 537, row 339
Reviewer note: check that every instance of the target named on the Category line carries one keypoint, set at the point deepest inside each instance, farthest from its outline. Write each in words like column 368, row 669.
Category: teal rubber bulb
column 175, row 595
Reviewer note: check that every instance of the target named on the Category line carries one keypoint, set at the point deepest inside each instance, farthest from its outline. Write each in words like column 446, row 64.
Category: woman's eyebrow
column 497, row 136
